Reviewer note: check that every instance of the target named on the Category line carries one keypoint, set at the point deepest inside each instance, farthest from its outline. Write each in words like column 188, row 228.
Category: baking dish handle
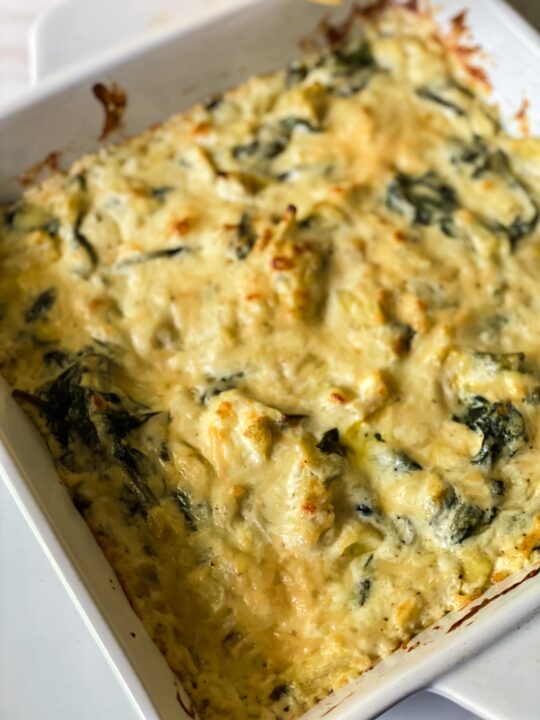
column 501, row 683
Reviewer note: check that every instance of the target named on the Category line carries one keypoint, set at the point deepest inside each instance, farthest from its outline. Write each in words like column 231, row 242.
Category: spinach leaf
column 351, row 68
column 296, row 71
column 232, row 638
column 466, row 520
column 213, row 102
column 185, row 505
column 424, row 200
column 64, row 403
column 330, row 443
column 23, row 217
column 160, row 193
column 348, row 68
column 293, row 122
column 137, row 494
column 9, row 215
column 497, row 488
column 131, row 459
column 456, row 520
column 164, row 452
column 41, row 305
column 363, row 590
column 154, row 255
column 81, row 502
column 80, row 180
column 405, row 464
column 84, row 243
column 497, row 362
column 426, row 93
column 476, row 157
column 121, row 422
column 293, row 419
column 81, row 418
column 278, row 692
column 239, row 152
column 137, row 498
column 272, row 139
column 483, row 161
column 57, row 358
column 501, row 425
column 246, row 237
column 520, row 227
column 92, row 427
column 355, row 58
column 397, row 460
column 51, row 227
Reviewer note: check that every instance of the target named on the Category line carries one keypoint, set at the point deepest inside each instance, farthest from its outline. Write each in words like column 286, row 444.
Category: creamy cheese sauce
column 284, row 351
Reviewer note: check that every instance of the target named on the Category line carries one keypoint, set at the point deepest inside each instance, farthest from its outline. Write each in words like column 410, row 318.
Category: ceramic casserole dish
column 62, row 115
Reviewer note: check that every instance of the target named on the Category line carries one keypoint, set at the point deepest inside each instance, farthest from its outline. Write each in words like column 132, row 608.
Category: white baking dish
column 218, row 45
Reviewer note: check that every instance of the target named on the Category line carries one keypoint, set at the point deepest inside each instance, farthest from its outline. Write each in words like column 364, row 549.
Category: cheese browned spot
column 284, row 351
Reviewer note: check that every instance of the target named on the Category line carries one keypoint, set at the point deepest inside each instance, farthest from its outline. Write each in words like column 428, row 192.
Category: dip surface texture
column 284, row 349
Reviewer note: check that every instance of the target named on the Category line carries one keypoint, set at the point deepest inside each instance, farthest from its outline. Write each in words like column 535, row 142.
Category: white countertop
column 50, row 667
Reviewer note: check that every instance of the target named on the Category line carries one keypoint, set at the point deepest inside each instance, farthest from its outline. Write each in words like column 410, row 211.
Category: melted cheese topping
column 284, row 350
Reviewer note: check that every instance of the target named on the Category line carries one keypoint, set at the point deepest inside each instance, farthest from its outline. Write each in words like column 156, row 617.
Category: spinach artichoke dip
column 284, row 349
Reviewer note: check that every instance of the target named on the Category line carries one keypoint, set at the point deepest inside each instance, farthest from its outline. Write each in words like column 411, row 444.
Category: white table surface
column 50, row 667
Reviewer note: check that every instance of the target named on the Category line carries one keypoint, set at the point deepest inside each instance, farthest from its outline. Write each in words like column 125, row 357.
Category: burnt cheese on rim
column 284, row 349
